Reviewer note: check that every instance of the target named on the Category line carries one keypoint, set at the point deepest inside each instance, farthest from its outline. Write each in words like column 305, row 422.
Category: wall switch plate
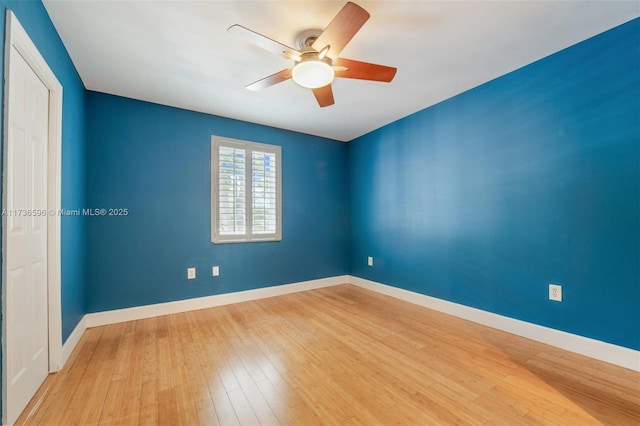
column 555, row 292
column 216, row 271
column 191, row 273
column 370, row 261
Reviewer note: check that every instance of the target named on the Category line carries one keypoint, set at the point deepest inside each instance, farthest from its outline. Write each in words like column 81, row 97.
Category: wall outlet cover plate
column 555, row 292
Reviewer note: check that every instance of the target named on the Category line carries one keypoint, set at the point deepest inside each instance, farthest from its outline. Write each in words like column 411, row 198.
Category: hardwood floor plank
column 56, row 385
column 205, row 347
column 118, row 384
column 130, row 409
column 88, row 399
column 242, row 408
column 204, row 407
column 337, row 355
column 181, row 381
column 148, row 411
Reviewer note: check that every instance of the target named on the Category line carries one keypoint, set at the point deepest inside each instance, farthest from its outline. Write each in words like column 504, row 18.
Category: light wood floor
column 340, row 355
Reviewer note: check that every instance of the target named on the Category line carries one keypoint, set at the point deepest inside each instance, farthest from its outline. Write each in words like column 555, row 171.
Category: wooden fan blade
column 264, row 42
column 364, row 70
column 342, row 29
column 276, row 78
column 324, row 96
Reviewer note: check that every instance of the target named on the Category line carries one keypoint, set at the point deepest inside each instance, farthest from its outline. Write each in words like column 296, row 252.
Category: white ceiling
column 178, row 53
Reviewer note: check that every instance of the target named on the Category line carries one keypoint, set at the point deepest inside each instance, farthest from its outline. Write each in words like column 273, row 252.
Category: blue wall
column 530, row 179
column 35, row 20
column 155, row 161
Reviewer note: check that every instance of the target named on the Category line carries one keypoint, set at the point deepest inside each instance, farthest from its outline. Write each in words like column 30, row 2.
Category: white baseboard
column 597, row 349
column 73, row 339
column 148, row 311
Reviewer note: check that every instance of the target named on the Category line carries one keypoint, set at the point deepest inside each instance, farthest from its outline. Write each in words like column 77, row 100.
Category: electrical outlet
column 555, row 292
column 191, row 273
column 216, row 271
column 370, row 261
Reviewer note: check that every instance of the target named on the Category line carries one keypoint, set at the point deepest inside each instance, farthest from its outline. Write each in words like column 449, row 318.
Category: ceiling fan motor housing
column 306, row 38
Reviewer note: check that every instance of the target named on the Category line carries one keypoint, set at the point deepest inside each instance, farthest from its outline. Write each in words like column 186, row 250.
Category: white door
column 26, row 315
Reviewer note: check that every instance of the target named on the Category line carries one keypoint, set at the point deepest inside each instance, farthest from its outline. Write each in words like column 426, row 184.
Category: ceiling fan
column 316, row 61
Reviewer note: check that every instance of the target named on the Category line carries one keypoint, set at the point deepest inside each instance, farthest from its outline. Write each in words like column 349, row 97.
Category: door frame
column 17, row 42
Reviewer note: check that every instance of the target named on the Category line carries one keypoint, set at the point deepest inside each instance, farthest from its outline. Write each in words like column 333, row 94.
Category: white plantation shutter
column 232, row 191
column 246, row 186
column 263, row 187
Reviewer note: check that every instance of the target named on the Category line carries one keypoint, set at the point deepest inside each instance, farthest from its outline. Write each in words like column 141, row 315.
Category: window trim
column 249, row 147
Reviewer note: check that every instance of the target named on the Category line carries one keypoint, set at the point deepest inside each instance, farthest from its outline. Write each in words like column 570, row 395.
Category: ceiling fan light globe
column 313, row 74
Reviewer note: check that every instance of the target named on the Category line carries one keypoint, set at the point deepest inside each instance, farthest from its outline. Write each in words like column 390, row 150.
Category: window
column 246, row 195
